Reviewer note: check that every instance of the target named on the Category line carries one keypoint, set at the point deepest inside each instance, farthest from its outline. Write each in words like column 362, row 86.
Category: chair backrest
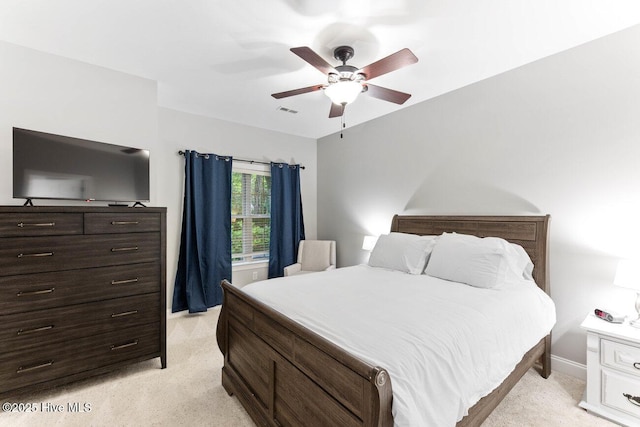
column 316, row 255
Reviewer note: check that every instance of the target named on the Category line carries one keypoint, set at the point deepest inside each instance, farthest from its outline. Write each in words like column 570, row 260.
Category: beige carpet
column 188, row 392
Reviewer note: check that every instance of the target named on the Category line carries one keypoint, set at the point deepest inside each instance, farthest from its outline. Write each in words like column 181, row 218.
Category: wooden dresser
column 82, row 292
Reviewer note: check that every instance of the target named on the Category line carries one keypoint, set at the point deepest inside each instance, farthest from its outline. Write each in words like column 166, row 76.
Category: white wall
column 53, row 94
column 558, row 136
column 180, row 131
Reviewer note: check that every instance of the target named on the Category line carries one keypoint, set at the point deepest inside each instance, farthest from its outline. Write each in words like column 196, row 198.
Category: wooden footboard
column 285, row 375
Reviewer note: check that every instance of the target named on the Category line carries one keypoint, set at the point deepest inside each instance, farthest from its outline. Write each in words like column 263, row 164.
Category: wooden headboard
column 530, row 232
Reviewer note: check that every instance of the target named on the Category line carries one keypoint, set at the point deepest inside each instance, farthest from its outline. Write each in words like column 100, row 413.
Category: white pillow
column 521, row 264
column 402, row 252
column 481, row 262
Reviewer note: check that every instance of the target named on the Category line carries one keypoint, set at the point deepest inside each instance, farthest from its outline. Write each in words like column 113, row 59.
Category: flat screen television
column 48, row 166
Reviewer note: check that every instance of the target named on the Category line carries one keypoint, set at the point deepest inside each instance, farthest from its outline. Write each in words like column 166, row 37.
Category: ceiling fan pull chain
column 342, row 125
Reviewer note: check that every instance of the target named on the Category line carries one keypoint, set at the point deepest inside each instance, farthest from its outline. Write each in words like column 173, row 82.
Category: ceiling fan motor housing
column 346, row 72
column 343, row 53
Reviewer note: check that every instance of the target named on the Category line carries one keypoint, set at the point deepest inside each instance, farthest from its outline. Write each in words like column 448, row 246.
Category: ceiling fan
column 346, row 82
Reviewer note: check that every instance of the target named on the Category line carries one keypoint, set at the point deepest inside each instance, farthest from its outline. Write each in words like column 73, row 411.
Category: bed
column 284, row 373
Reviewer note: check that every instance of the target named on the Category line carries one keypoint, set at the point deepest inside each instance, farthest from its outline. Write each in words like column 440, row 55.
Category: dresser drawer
column 621, row 356
column 42, row 327
column 38, row 224
column 47, row 290
column 621, row 392
column 23, row 368
column 108, row 223
column 23, row 255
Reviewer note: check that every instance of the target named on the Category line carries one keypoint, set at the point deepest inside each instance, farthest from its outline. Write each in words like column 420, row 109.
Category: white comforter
column 444, row 344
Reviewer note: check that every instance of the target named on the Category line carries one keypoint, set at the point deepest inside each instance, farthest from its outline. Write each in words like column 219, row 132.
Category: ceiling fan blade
column 393, row 62
column 314, row 59
column 297, row 91
column 385, row 94
column 336, row 110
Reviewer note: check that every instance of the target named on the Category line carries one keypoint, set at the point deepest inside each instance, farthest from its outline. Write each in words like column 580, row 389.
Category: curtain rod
column 181, row 153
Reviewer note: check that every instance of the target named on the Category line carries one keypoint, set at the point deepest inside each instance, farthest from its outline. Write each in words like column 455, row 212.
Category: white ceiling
column 224, row 58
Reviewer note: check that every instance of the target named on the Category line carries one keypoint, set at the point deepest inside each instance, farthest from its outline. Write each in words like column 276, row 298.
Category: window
column 250, row 214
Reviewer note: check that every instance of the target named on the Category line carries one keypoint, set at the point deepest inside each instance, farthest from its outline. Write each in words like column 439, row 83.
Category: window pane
column 236, row 193
column 250, row 216
column 236, row 235
column 260, row 194
column 260, row 234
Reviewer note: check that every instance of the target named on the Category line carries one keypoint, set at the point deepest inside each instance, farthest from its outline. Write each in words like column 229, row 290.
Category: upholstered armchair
column 313, row 256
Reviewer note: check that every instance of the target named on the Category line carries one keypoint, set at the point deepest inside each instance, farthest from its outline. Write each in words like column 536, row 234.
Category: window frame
column 253, row 169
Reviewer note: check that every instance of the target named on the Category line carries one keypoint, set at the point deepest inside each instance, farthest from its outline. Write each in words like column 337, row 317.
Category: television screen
column 48, row 166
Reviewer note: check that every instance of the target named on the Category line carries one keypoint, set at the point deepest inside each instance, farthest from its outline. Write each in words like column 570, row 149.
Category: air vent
column 287, row 110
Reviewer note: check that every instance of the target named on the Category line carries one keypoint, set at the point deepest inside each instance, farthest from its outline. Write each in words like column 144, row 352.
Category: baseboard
column 568, row 367
column 185, row 313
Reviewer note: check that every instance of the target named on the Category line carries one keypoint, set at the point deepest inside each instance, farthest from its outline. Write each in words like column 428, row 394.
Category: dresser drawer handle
column 39, row 224
column 125, row 222
column 124, row 313
column 30, row 293
column 635, row 400
column 40, row 254
column 31, row 331
column 132, row 248
column 22, row 370
column 129, row 344
column 124, row 282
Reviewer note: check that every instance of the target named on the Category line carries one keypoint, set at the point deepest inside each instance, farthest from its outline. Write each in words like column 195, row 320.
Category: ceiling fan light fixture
column 343, row 92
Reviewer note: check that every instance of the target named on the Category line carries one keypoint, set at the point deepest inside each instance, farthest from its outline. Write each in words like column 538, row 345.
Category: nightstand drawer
column 621, row 392
column 621, row 356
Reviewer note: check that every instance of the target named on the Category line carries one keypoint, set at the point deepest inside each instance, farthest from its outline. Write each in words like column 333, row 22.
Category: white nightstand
column 613, row 371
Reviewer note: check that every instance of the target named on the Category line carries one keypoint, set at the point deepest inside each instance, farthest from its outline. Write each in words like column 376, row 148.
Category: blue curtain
column 205, row 245
column 287, row 223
